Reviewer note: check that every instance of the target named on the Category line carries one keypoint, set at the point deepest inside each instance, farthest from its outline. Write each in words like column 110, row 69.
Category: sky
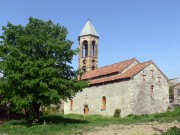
column 142, row 29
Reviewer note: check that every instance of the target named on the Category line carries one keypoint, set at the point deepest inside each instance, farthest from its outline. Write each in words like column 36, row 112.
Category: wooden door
column 86, row 110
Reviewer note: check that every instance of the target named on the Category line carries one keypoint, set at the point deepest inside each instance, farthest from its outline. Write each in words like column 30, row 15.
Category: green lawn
column 78, row 124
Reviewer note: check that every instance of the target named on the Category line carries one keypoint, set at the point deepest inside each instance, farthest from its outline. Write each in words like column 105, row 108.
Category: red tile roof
column 110, row 69
column 128, row 74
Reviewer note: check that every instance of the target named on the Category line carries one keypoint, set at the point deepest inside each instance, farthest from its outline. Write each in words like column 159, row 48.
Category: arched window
column 93, row 48
column 93, row 67
column 84, row 68
column 85, row 48
column 71, row 104
column 103, row 103
column 84, row 61
column 152, row 91
column 93, row 61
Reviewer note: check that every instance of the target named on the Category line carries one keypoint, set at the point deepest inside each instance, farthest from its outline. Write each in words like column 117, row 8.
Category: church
column 133, row 87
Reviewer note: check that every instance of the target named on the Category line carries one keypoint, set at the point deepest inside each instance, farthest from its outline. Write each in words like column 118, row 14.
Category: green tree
column 36, row 61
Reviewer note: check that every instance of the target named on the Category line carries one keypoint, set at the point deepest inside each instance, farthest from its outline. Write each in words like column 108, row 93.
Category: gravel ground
column 150, row 128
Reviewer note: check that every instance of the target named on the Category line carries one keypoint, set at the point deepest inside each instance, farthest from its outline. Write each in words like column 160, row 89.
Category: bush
column 117, row 113
column 172, row 131
column 130, row 115
column 137, row 116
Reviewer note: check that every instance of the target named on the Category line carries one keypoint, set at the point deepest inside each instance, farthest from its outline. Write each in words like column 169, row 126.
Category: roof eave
column 141, row 69
column 88, row 35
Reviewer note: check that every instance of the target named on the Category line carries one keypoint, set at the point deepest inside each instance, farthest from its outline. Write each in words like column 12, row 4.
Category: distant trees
column 35, row 63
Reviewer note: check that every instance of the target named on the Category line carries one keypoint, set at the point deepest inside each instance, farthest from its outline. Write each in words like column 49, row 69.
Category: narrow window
column 85, row 48
column 103, row 103
column 71, row 104
column 93, row 67
column 178, row 92
column 93, row 48
column 152, row 91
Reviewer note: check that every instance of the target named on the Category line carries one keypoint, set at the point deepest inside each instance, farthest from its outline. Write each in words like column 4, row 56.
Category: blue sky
column 142, row 29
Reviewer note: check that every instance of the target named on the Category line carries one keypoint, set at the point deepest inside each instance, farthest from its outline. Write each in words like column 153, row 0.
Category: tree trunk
column 36, row 109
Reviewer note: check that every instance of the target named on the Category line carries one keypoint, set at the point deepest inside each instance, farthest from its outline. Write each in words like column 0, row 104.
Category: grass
column 172, row 131
column 78, row 124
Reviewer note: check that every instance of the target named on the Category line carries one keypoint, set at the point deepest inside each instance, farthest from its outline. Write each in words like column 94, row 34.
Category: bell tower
column 88, row 48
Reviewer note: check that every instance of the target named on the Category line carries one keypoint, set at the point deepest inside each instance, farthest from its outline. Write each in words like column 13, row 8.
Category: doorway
column 86, row 110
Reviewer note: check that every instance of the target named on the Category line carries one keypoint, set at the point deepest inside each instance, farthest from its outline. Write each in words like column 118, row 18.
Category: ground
column 150, row 128
column 73, row 124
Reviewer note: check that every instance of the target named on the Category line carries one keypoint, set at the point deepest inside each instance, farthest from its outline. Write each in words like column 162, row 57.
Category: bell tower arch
column 88, row 48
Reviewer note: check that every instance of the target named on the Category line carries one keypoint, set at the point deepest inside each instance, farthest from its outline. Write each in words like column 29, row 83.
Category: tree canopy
column 36, row 65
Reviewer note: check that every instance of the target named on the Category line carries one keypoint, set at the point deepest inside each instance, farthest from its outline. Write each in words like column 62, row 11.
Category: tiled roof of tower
column 128, row 74
column 89, row 30
column 117, row 67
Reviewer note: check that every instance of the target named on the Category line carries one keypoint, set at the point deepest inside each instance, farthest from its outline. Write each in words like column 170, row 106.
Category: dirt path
column 151, row 128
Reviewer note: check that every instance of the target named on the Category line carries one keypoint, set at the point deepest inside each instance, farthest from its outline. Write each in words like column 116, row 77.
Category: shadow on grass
column 48, row 120
column 56, row 119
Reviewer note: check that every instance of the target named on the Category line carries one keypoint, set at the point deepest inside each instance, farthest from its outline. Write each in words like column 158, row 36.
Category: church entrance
column 86, row 110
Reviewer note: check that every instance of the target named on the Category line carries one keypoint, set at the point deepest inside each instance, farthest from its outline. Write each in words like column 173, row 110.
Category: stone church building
column 131, row 86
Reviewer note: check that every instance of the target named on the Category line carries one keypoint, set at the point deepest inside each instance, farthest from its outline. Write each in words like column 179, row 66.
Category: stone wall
column 176, row 97
column 144, row 101
column 130, row 66
column 117, row 97
column 132, row 97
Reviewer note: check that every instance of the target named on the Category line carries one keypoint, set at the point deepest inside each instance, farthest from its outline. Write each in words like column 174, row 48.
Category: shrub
column 172, row 131
column 170, row 108
column 137, row 117
column 117, row 113
column 130, row 115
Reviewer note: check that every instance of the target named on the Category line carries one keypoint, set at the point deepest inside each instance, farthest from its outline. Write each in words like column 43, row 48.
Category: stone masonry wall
column 176, row 97
column 132, row 97
column 130, row 66
column 144, row 101
column 117, row 97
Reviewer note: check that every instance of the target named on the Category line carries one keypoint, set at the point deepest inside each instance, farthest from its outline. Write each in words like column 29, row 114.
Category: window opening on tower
column 93, row 48
column 85, row 48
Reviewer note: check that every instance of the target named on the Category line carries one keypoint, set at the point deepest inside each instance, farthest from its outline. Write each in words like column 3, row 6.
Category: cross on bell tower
column 88, row 48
